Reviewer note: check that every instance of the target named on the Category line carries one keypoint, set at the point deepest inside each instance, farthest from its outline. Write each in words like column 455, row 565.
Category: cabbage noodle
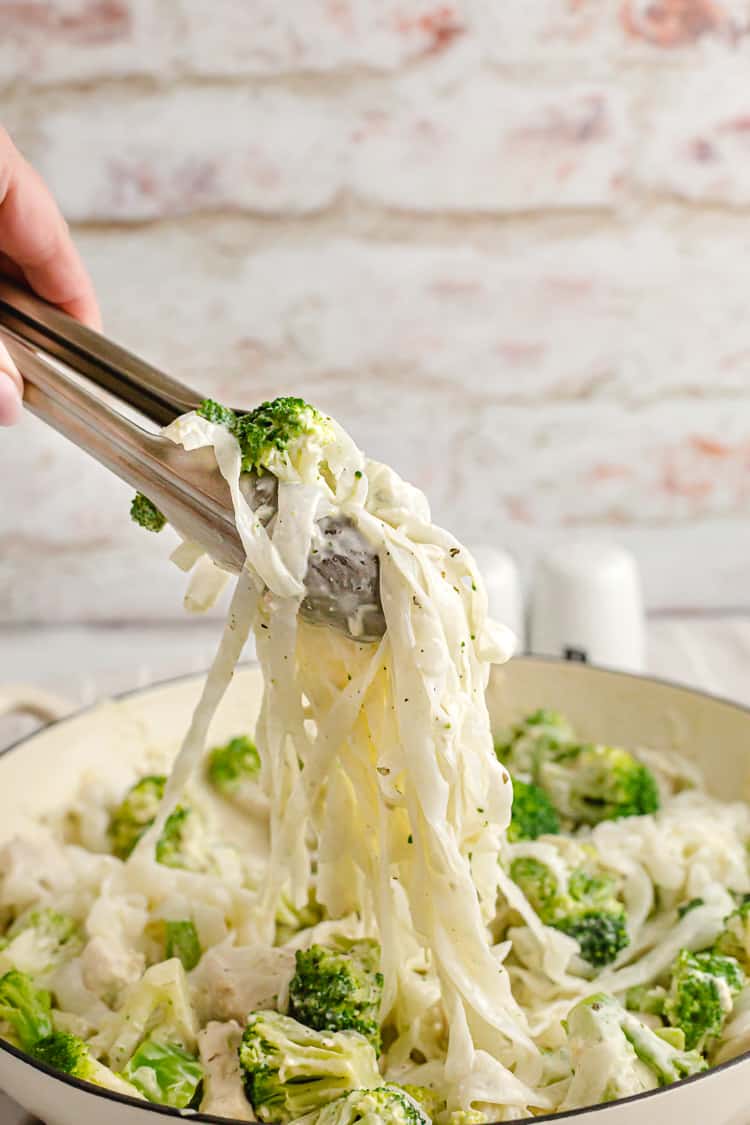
column 380, row 755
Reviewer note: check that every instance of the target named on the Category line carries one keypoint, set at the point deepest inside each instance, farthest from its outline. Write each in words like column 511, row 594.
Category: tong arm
column 186, row 487
column 152, row 392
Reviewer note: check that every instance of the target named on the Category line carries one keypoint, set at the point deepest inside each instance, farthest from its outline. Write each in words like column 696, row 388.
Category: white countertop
column 81, row 663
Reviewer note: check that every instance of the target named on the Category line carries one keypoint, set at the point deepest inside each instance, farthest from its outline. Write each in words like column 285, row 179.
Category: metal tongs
column 62, row 362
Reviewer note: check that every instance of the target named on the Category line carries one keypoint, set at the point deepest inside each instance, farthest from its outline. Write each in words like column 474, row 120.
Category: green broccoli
column 585, row 908
column 218, row 414
column 269, row 429
column 585, row 782
column 539, row 883
column 41, row 940
column 734, row 940
column 663, row 1053
column 182, row 842
column 649, row 1001
column 541, row 733
column 144, row 512
column 701, row 995
column 467, row 1117
column 290, row 1069
column 428, row 1099
column 386, row 1105
column 135, row 814
column 182, row 941
column 234, row 768
column 339, row 986
column 167, row 1074
column 599, row 783
column 532, row 815
column 600, row 934
column 25, row 1008
column 614, row 1055
column 70, row 1055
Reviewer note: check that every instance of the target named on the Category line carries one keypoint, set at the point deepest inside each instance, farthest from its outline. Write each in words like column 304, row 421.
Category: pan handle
column 23, row 699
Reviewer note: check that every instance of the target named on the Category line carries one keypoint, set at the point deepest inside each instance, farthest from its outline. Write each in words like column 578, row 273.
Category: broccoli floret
column 649, row 1001
column 386, row 1105
column 734, row 940
column 167, row 1074
column 604, row 1063
column 541, row 733
column 40, row 940
column 25, row 1008
column 290, row 1069
column 182, row 941
column 666, row 1056
column 586, row 783
column 270, row 429
column 585, row 906
column 70, row 1055
column 533, row 813
column 182, row 843
column 232, row 768
column 600, row 934
column 144, row 512
column 135, row 814
column 539, row 883
column 339, row 986
column 467, row 1117
column 214, row 412
column 599, row 783
column 614, row 1055
column 701, row 995
column 429, row 1099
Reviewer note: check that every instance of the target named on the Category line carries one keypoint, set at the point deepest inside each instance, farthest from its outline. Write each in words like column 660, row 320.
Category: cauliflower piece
column 223, row 1090
column 234, row 980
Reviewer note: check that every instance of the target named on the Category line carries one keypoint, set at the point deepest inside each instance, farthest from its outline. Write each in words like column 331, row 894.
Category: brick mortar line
column 356, row 219
column 599, row 391
column 552, row 71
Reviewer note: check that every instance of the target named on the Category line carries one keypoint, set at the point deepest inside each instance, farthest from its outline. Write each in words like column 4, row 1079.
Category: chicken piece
column 233, row 980
column 113, row 958
column 109, row 967
column 223, row 1091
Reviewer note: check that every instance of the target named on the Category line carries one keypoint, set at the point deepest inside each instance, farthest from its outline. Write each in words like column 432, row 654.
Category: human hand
column 36, row 247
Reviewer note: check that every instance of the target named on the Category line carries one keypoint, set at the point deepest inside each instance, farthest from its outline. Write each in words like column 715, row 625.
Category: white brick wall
column 507, row 244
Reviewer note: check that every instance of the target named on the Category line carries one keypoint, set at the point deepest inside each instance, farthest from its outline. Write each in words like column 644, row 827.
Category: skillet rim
column 212, row 1119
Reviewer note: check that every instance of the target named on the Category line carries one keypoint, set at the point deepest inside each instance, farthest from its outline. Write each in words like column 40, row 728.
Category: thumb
column 11, row 389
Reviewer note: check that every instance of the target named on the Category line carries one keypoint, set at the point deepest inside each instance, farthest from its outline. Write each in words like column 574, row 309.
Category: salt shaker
column 587, row 605
column 503, row 584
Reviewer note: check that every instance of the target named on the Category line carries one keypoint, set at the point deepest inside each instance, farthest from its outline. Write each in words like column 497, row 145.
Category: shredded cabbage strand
column 378, row 758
